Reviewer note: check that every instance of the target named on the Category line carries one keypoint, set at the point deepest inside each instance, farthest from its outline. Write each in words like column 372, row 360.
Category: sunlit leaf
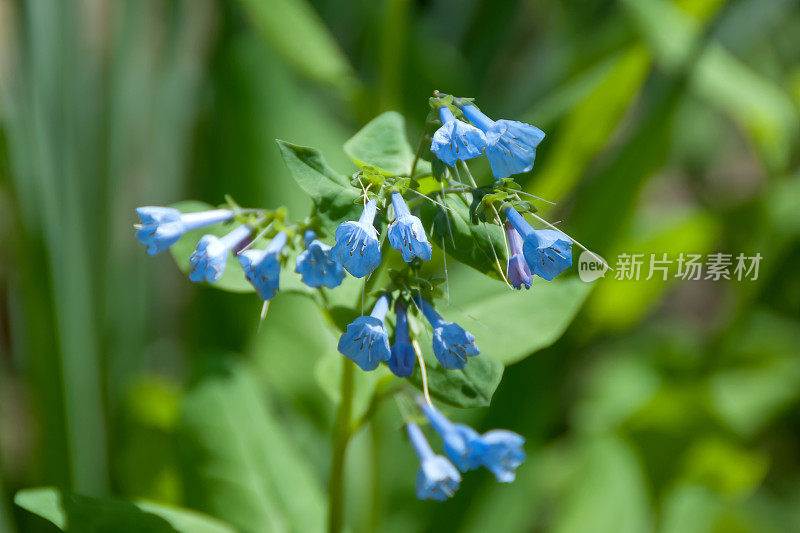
column 511, row 325
column 589, row 125
column 382, row 143
column 297, row 33
column 473, row 386
column 330, row 191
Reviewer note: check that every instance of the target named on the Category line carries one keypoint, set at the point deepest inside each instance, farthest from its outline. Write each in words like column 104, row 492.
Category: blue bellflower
column 211, row 255
column 315, row 265
column 365, row 341
column 458, row 439
column 519, row 274
column 510, row 145
column 548, row 252
column 456, row 139
column 161, row 227
column 406, row 233
column 437, row 478
column 499, row 451
column 451, row 343
column 402, row 358
column 357, row 248
column 262, row 268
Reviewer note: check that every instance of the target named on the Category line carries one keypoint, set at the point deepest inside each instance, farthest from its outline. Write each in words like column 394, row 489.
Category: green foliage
column 511, row 326
column 72, row 512
column 333, row 197
column 478, row 246
column 382, row 143
column 295, row 31
column 473, row 386
column 239, row 465
column 663, row 405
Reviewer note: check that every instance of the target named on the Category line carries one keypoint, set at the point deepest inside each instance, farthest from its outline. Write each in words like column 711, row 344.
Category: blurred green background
column 671, row 127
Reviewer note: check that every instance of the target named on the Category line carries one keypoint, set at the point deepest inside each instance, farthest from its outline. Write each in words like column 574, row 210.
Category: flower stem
column 418, row 153
column 341, row 438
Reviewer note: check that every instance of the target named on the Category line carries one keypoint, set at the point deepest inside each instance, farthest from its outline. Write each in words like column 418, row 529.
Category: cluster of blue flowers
column 500, row 451
column 465, row 133
column 510, row 146
column 161, row 227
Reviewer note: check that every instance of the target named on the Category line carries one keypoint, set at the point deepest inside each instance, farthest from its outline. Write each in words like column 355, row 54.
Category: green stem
column 418, row 153
column 376, row 507
column 341, row 438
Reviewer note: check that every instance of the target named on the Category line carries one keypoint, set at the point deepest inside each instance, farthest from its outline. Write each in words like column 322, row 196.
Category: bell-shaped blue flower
column 510, row 145
column 518, row 272
column 365, row 341
column 315, row 265
column 437, row 478
column 211, row 254
column 402, row 358
column 456, row 139
column 451, row 343
column 459, row 440
column 262, row 268
column 161, row 227
column 406, row 233
column 357, row 247
column 548, row 252
column 499, row 451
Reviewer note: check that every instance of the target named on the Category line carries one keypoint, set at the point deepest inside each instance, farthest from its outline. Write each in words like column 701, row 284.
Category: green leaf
column 589, row 124
column 474, row 245
column 331, row 192
column 608, row 493
column 382, row 143
column 232, row 279
column 511, row 325
column 760, row 105
column 296, row 32
column 72, row 512
column 473, row 386
column 239, row 464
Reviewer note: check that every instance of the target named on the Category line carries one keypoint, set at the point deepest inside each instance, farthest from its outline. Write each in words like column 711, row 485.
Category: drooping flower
column 456, row 139
column 357, row 248
column 451, row 343
column 161, row 227
column 262, row 268
column 315, row 265
column 499, row 450
column 510, row 145
column 437, row 478
column 519, row 273
column 402, row 358
column 406, row 233
column 211, row 255
column 365, row 341
column 458, row 439
column 548, row 252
